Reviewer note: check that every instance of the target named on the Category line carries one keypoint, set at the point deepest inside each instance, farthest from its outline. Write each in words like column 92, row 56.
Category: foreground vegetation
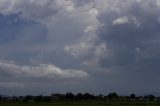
column 88, row 103
column 69, row 99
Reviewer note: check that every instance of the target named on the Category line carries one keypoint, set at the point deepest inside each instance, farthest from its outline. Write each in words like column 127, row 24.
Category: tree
column 112, row 95
column 69, row 95
column 88, row 96
column 79, row 96
column 151, row 97
column 132, row 96
column 100, row 96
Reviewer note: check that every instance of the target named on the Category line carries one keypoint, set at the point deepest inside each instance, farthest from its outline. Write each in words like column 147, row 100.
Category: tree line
column 78, row 96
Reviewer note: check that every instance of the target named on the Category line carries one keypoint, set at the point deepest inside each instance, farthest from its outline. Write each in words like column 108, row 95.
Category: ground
column 110, row 103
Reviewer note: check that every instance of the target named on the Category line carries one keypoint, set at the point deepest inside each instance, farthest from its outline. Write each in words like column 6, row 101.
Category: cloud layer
column 44, row 70
column 104, row 42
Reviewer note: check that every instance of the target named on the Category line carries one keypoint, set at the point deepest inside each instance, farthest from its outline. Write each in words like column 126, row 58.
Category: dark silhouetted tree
column 69, row 95
column 132, row 96
column 79, row 96
column 112, row 95
column 151, row 97
column 88, row 96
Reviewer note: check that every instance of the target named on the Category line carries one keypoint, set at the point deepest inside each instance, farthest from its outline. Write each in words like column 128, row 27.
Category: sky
column 95, row 46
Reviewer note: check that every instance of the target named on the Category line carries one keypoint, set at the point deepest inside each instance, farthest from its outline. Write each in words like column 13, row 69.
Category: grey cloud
column 77, row 18
column 30, row 9
column 84, row 45
column 43, row 70
column 127, row 42
column 131, row 36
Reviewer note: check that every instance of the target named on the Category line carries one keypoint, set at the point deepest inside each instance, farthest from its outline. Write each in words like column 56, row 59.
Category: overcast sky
column 95, row 46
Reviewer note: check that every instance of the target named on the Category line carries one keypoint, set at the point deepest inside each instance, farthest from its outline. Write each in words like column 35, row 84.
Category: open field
column 109, row 103
column 67, row 105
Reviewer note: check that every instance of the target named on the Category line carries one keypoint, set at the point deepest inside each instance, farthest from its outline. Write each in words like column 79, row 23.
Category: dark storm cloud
column 134, row 41
column 132, row 37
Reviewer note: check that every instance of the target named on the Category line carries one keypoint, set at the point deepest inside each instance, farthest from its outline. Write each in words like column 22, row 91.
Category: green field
column 68, row 105
column 109, row 103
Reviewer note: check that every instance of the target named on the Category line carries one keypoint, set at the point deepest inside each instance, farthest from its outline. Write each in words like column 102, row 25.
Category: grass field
column 67, row 105
column 109, row 103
